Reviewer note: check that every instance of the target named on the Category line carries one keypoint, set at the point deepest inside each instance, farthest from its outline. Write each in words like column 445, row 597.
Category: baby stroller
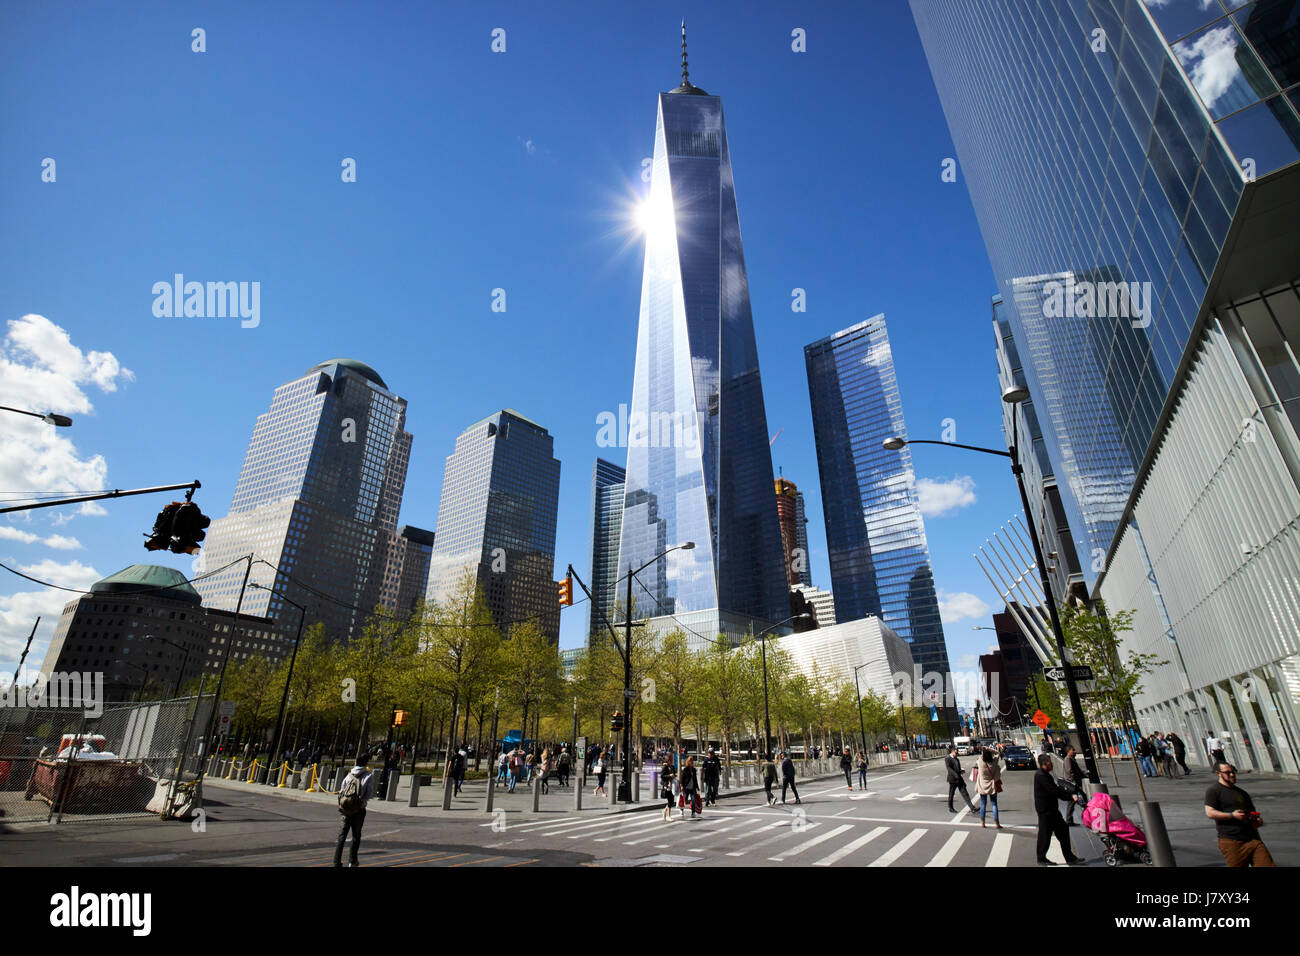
column 1123, row 839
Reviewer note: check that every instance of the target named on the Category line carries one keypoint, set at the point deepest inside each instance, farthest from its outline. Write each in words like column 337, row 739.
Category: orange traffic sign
column 1041, row 719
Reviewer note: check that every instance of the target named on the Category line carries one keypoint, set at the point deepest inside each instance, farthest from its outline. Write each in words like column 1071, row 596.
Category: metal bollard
column 394, row 777
column 448, row 788
column 339, row 776
column 611, row 787
column 636, row 786
column 537, row 793
column 577, row 797
column 1162, row 853
column 414, row 800
column 491, row 793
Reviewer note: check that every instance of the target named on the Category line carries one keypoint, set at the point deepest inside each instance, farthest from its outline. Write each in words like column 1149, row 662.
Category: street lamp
column 767, row 715
column 625, row 788
column 862, row 725
column 1014, row 396
column 63, row 421
column 284, row 698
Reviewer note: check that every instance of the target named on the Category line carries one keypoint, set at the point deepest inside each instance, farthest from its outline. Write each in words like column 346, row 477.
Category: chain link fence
column 130, row 761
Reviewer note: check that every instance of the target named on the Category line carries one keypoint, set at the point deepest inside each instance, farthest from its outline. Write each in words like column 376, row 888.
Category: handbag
column 974, row 773
column 997, row 786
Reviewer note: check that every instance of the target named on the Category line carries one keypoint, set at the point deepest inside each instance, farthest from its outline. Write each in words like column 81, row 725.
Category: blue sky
column 475, row 171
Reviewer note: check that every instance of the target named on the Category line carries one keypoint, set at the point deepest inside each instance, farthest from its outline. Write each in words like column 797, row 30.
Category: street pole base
column 624, row 793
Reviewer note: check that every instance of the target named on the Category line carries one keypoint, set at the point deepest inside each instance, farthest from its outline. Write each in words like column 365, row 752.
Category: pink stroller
column 1123, row 839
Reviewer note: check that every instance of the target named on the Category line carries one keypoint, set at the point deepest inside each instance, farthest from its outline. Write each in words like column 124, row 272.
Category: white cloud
column 41, row 370
column 18, row 612
column 939, row 498
column 61, row 542
column 8, row 533
column 1211, row 62
column 959, row 606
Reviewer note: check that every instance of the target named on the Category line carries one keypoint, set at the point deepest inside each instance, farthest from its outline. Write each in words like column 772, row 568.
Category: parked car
column 1018, row 758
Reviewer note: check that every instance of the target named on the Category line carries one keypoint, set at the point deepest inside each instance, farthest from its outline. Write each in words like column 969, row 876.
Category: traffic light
column 187, row 528
column 399, row 718
column 566, row 591
column 161, row 536
column 616, row 721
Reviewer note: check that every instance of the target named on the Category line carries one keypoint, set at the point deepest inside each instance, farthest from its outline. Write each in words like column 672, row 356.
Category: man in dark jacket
column 712, row 774
column 787, row 777
column 1180, row 751
column 1073, row 773
column 1046, row 794
column 956, row 781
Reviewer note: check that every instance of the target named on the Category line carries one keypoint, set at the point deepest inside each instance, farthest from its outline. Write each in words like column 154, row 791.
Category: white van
column 965, row 746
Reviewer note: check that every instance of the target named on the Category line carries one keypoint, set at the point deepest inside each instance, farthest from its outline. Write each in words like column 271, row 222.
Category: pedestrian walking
column 1214, row 747
column 988, row 784
column 456, row 767
column 1074, row 774
column 769, row 778
column 1236, row 821
column 787, row 777
column 563, row 765
column 862, row 770
column 1050, row 822
column 668, row 788
column 357, row 789
column 601, row 770
column 846, row 764
column 516, row 767
column 690, row 793
column 711, row 771
column 503, row 767
column 1164, row 755
column 1145, row 758
column 1180, row 750
column 956, row 781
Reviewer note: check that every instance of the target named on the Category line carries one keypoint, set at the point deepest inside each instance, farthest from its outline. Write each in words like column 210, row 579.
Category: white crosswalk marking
column 848, row 848
column 899, row 849
column 770, row 826
column 625, row 829
column 1000, row 855
column 808, row 844
column 779, row 836
column 949, row 850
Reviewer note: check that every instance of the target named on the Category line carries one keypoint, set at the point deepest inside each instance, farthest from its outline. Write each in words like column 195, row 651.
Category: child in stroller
column 1123, row 839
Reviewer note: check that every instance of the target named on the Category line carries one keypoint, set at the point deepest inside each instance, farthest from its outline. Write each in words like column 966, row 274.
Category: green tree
column 530, row 677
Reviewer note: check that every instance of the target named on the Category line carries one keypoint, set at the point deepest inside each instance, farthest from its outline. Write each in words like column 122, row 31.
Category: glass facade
column 880, row 561
column 606, row 522
column 318, row 498
column 1124, row 133
column 699, row 468
column 496, row 521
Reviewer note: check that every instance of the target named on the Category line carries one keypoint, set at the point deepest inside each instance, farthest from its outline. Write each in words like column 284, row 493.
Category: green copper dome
column 167, row 583
column 360, row 367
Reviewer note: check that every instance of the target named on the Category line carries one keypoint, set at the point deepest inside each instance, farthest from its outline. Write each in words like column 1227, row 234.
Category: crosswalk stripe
column 899, row 849
column 949, row 849
column 1000, row 855
column 848, row 848
column 808, row 844
column 779, row 836
column 770, row 826
column 627, row 829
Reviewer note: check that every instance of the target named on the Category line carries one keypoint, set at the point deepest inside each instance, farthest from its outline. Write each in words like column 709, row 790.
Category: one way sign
column 1057, row 674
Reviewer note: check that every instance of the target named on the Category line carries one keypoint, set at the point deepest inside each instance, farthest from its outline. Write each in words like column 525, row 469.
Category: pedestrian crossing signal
column 616, row 722
column 566, row 591
column 399, row 718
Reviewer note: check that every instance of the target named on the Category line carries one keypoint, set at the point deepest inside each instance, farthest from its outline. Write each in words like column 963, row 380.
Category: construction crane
column 775, row 437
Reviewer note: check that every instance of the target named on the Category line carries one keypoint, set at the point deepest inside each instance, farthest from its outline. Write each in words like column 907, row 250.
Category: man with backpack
column 358, row 787
column 563, row 767
column 456, row 768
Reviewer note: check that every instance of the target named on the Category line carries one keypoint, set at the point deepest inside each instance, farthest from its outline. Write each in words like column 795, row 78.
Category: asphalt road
column 900, row 820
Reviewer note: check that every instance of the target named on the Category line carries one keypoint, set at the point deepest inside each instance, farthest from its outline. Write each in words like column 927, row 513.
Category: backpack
column 350, row 796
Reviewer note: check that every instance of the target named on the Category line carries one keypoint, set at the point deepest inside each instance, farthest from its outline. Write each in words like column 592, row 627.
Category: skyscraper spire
column 686, row 86
column 686, row 78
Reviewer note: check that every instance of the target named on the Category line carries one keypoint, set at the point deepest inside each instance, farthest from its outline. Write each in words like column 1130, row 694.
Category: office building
column 793, row 522
column 496, row 521
column 1155, row 144
column 698, row 464
column 410, row 565
column 317, row 500
column 822, row 603
column 880, row 560
column 606, row 522
column 831, row 653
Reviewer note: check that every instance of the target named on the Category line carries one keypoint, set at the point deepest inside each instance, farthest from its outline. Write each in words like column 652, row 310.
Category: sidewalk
column 472, row 799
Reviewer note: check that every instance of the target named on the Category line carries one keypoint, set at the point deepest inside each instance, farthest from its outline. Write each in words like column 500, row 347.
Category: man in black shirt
column 956, row 781
column 1235, row 819
column 712, row 773
column 1073, row 773
column 1046, row 794
column 787, row 777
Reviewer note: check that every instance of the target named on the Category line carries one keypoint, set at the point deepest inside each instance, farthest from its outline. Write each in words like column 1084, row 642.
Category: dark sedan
column 1018, row 758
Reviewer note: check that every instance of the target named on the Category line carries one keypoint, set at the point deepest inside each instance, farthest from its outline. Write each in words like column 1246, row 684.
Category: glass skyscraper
column 606, row 522
column 318, row 498
column 880, row 561
column 698, row 467
column 496, row 521
column 1149, row 151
